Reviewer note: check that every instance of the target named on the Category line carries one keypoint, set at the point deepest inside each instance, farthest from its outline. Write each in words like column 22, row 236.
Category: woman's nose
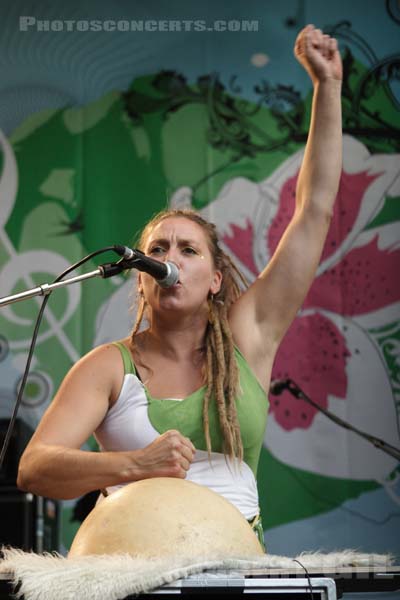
column 172, row 254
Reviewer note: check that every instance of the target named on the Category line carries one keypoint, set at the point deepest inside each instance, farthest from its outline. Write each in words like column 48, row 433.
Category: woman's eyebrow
column 159, row 241
column 186, row 242
column 181, row 242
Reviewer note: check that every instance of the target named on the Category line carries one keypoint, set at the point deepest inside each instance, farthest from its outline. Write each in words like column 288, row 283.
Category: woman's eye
column 189, row 250
column 156, row 250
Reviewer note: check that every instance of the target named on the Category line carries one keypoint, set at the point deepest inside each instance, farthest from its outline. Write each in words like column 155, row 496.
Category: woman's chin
column 178, row 306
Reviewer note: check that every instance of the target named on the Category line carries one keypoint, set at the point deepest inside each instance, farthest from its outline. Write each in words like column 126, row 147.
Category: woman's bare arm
column 272, row 301
column 53, row 463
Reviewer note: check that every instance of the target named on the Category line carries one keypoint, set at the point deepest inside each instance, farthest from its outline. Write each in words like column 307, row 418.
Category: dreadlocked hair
column 221, row 374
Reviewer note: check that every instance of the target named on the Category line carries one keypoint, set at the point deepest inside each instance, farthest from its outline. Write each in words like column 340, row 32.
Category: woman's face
column 183, row 242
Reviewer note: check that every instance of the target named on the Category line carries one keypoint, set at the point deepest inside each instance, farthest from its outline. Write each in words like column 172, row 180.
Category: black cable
column 33, row 342
column 278, row 386
column 308, row 577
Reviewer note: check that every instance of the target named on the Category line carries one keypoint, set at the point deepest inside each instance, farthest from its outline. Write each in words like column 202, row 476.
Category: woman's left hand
column 319, row 54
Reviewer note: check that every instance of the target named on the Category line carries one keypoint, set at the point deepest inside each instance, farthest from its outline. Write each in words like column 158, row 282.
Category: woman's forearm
column 319, row 175
column 65, row 473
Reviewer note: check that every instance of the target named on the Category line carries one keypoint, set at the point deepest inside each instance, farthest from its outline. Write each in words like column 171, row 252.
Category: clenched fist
column 170, row 455
column 319, row 54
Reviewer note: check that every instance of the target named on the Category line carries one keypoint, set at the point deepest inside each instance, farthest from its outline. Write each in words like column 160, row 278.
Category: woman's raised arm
column 269, row 306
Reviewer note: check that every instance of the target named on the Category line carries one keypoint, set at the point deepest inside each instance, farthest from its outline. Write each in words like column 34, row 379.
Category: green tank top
column 186, row 415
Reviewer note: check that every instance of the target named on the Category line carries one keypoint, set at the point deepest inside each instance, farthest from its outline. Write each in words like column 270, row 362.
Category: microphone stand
column 106, row 270
column 295, row 390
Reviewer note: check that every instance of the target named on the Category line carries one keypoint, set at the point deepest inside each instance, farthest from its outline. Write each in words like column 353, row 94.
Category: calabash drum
column 165, row 516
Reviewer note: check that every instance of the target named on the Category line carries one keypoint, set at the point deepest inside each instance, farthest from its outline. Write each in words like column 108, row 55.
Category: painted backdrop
column 100, row 128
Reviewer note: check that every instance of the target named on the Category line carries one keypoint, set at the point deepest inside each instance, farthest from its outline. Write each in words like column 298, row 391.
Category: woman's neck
column 179, row 340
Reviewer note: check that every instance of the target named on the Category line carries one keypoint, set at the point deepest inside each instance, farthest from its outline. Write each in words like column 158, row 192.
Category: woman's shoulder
column 106, row 364
column 105, row 357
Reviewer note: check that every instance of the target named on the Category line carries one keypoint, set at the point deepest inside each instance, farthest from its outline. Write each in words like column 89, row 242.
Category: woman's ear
column 216, row 282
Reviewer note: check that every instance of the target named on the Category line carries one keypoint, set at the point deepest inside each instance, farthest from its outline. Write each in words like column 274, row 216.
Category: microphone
column 165, row 273
column 278, row 386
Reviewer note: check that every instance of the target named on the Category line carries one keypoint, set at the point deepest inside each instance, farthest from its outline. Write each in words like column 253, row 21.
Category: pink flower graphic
column 314, row 352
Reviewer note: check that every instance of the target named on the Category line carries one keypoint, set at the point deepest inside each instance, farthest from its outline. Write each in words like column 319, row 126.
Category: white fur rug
column 53, row 577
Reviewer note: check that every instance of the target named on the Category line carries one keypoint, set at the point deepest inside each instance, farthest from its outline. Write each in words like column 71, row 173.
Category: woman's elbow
column 24, row 476
column 29, row 477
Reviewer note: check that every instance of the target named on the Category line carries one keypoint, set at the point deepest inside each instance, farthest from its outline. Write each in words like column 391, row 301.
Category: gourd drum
column 166, row 516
